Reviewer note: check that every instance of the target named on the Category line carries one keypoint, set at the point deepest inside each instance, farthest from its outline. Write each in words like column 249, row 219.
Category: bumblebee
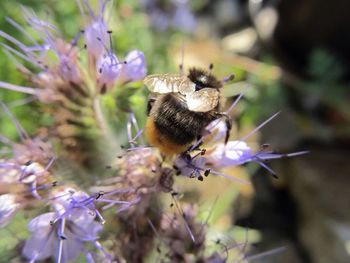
column 180, row 107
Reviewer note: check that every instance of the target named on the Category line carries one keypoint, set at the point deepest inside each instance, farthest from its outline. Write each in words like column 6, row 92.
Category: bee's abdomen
column 180, row 125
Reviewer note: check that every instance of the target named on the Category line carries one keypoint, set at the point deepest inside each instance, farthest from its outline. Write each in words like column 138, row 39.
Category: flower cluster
column 182, row 234
column 70, row 75
column 24, row 172
column 25, row 182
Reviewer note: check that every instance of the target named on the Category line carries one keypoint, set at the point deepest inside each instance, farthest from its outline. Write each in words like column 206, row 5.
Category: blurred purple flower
column 8, row 208
column 216, row 132
column 183, row 18
column 135, row 67
column 236, row 153
column 62, row 234
column 96, row 31
column 110, row 70
column 175, row 13
column 95, row 35
column 31, row 176
column 30, row 161
column 64, row 240
column 192, row 167
column 65, row 53
column 232, row 154
column 108, row 67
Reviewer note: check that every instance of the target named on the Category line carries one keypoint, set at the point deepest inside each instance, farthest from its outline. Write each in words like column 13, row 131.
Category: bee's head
column 203, row 79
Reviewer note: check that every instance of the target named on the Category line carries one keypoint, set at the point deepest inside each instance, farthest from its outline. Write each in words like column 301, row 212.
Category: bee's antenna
column 211, row 66
column 181, row 66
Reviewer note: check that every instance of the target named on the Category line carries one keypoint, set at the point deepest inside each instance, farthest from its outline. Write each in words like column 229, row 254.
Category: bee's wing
column 203, row 100
column 167, row 83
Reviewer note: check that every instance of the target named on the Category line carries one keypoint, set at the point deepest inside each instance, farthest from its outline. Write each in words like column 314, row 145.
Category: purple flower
column 31, row 172
column 238, row 152
column 64, row 240
column 95, row 35
column 31, row 175
column 72, row 204
column 108, row 67
column 62, row 234
column 67, row 67
column 96, row 32
column 135, row 67
column 8, row 208
column 9, row 173
column 183, row 18
column 232, row 154
column 111, row 70
column 174, row 13
column 192, row 167
column 217, row 130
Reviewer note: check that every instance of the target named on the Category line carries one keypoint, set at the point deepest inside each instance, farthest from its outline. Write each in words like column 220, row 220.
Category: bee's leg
column 198, row 143
column 228, row 123
column 193, row 147
column 211, row 66
column 150, row 104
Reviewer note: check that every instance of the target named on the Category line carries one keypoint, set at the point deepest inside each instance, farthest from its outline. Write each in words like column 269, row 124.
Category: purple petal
column 8, row 208
column 231, row 154
column 96, row 36
column 108, row 67
column 135, row 67
column 183, row 18
column 41, row 222
column 72, row 247
column 41, row 244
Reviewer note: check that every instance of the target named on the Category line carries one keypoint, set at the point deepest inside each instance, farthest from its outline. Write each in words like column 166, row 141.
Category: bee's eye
column 199, row 86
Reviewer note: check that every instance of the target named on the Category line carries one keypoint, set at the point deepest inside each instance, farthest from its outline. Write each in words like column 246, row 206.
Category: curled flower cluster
column 25, row 174
column 182, row 234
column 25, row 183
column 67, row 75
column 70, row 75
